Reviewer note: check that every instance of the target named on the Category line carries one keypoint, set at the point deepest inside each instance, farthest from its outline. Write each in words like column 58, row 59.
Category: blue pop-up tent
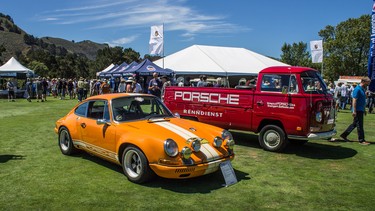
column 147, row 68
column 122, row 71
column 115, row 70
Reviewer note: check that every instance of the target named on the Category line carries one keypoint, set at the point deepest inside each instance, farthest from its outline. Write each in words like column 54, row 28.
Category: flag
column 316, row 47
column 371, row 55
column 157, row 40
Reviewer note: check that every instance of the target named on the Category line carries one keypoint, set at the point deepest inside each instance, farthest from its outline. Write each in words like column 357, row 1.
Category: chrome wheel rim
column 272, row 139
column 64, row 140
column 133, row 164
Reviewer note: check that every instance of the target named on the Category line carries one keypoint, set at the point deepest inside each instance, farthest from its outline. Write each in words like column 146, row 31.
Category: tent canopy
column 214, row 60
column 106, row 69
column 12, row 67
column 147, row 67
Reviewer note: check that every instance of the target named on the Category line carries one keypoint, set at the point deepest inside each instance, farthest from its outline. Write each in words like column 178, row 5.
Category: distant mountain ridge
column 16, row 41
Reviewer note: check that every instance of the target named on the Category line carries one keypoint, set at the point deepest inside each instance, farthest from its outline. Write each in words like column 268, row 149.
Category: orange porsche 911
column 138, row 132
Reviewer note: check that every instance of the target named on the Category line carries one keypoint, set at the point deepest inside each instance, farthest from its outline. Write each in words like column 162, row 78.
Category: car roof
column 286, row 69
column 114, row 95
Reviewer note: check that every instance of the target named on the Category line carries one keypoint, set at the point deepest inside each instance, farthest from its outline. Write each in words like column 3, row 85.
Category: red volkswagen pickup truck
column 286, row 104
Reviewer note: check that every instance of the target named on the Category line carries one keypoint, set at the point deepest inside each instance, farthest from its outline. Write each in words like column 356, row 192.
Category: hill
column 16, row 41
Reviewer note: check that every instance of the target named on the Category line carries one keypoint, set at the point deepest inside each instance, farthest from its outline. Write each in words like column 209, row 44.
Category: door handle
column 260, row 103
column 83, row 125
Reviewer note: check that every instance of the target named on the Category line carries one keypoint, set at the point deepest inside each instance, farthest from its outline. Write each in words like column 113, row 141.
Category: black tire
column 272, row 138
column 297, row 142
column 135, row 165
column 65, row 142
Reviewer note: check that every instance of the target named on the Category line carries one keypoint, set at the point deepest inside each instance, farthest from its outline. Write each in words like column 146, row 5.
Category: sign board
column 228, row 173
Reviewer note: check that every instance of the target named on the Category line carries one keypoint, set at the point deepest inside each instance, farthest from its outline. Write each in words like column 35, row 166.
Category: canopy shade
column 214, row 60
column 147, row 67
column 12, row 67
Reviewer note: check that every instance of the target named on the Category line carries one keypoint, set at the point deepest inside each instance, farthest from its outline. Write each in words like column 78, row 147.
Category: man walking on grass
column 358, row 112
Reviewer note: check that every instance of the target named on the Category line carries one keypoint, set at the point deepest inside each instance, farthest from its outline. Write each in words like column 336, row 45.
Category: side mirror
column 102, row 122
column 177, row 115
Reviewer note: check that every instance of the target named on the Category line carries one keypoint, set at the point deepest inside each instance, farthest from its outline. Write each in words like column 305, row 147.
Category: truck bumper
column 315, row 136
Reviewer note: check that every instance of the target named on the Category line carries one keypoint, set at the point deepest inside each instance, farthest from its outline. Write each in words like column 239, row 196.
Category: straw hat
column 130, row 80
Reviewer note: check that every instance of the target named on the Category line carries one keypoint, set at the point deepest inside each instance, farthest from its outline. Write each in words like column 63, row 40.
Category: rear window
column 81, row 110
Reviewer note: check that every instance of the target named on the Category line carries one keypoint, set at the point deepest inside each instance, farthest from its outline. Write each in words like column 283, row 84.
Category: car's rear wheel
column 135, row 165
column 272, row 138
column 65, row 142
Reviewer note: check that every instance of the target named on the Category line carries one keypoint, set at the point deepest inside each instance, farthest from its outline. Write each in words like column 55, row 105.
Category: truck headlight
column 170, row 147
column 186, row 153
column 218, row 141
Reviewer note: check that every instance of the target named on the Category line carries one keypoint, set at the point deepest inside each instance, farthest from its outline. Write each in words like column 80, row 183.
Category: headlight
column 218, row 141
column 170, row 147
column 186, row 153
column 226, row 135
column 196, row 145
column 230, row 144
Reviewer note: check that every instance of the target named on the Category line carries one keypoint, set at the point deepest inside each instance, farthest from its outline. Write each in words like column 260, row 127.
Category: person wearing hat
column 105, row 88
column 358, row 112
column 122, row 85
column 202, row 82
column 129, row 85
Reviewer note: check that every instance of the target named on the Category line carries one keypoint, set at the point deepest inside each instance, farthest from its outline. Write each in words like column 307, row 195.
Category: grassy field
column 320, row 175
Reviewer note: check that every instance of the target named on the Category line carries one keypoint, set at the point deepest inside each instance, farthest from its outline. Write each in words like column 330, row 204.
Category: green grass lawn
column 320, row 175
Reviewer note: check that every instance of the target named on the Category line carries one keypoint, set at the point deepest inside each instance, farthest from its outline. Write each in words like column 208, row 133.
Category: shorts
column 39, row 92
column 10, row 94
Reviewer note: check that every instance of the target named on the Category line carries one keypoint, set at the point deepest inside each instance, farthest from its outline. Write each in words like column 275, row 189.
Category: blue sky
column 260, row 26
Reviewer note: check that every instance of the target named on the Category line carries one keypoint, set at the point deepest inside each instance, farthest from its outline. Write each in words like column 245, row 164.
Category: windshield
column 313, row 83
column 138, row 107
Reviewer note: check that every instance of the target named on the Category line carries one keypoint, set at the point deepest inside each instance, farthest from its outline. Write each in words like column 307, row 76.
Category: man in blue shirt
column 358, row 111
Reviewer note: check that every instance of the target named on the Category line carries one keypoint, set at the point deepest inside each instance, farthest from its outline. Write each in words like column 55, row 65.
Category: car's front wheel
column 65, row 142
column 135, row 165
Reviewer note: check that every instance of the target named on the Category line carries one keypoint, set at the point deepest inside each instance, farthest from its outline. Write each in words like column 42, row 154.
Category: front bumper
column 182, row 172
column 316, row 136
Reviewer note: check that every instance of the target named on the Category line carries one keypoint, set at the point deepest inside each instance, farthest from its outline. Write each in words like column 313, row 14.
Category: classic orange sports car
column 138, row 132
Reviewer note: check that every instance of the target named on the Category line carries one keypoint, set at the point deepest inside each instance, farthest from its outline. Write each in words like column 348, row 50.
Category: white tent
column 214, row 60
column 106, row 69
column 12, row 67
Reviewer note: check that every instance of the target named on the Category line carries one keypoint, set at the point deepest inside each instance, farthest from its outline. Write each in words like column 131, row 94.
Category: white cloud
column 122, row 41
column 115, row 14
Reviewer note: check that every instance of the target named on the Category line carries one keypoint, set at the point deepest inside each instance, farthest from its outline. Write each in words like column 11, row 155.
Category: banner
column 316, row 47
column 371, row 55
column 157, row 40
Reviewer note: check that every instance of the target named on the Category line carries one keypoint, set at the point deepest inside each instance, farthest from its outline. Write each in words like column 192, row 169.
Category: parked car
column 138, row 132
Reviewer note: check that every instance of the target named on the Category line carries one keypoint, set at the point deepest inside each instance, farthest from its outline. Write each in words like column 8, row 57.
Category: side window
column 98, row 110
column 275, row 82
column 81, row 110
column 293, row 85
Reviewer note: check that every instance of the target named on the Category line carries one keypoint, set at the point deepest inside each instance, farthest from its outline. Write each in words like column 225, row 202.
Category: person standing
column 10, row 88
column 137, row 88
column 44, row 89
column 166, row 83
column 358, row 112
column 129, row 85
column 39, row 89
column 80, row 86
column 155, row 85
column 29, row 89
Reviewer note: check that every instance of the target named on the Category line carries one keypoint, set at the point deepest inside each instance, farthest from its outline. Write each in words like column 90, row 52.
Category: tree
column 2, row 49
column 296, row 54
column 346, row 47
column 39, row 68
column 131, row 55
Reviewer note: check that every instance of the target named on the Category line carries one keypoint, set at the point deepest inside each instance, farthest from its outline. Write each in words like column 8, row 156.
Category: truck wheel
column 135, row 165
column 272, row 138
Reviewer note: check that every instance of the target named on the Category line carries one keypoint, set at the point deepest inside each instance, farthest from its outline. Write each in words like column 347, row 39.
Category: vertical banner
column 371, row 55
column 157, row 40
column 316, row 47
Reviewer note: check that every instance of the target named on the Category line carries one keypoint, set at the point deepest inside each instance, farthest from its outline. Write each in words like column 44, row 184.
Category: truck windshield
column 313, row 83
